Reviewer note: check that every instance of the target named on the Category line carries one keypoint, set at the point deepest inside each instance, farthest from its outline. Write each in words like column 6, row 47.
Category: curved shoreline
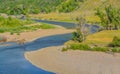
column 12, row 57
column 31, row 36
column 74, row 62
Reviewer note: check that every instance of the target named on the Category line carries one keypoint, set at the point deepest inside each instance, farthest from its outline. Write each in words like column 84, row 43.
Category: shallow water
column 12, row 60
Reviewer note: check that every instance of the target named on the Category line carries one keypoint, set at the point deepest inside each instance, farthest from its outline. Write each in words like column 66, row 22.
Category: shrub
column 115, row 42
column 11, row 33
column 2, row 30
column 79, row 47
column 103, row 49
column 64, row 49
column 77, row 36
column 116, row 50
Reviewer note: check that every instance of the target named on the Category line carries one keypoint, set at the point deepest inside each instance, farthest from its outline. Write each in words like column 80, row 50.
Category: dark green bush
column 77, row 36
column 115, row 42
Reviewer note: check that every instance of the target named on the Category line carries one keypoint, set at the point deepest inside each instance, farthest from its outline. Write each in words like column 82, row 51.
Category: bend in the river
column 12, row 60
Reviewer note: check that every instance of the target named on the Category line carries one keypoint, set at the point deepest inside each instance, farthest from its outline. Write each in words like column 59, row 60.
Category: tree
column 81, row 29
column 109, row 17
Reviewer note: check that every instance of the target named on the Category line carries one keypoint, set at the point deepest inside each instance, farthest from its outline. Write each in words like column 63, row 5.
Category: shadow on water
column 17, row 64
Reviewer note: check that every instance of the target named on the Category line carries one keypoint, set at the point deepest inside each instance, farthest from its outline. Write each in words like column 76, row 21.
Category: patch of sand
column 74, row 62
column 29, row 36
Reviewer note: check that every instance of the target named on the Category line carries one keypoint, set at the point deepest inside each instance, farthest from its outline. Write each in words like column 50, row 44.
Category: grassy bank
column 96, row 42
column 14, row 25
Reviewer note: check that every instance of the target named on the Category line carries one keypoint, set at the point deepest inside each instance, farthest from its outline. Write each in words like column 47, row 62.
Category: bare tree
column 82, row 27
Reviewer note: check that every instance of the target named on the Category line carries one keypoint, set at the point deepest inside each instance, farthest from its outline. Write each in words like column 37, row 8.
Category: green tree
column 109, row 17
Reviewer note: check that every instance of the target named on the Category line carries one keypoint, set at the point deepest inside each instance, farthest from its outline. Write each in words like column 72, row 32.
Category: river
column 12, row 60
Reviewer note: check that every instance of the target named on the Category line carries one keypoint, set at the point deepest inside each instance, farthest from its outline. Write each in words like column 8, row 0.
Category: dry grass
column 65, row 17
column 53, row 16
column 103, row 36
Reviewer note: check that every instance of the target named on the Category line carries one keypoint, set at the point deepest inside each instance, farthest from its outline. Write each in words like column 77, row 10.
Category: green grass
column 85, row 47
column 20, row 29
column 14, row 25
column 46, row 26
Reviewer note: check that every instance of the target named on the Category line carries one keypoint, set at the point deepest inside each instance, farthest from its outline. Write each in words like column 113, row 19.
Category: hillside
column 88, row 8
column 61, row 10
column 37, row 6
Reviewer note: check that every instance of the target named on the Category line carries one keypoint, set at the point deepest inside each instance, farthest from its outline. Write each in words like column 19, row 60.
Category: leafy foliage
column 37, row 6
column 68, row 6
column 110, row 17
column 15, row 25
column 81, row 31
column 77, row 36
column 116, row 50
column 79, row 47
column 115, row 42
column 103, row 49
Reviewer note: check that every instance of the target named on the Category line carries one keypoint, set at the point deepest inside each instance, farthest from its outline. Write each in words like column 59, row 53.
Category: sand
column 74, row 62
column 70, row 62
column 30, row 36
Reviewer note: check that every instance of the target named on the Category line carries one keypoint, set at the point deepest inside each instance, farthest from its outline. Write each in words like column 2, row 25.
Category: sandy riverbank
column 74, row 62
column 29, row 36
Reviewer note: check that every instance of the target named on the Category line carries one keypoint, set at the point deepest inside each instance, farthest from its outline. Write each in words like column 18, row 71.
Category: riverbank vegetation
column 105, row 40
column 88, row 8
column 14, row 25
column 108, row 40
column 38, row 6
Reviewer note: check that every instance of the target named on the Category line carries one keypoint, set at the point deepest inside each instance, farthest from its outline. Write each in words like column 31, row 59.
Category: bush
column 68, row 6
column 115, row 42
column 64, row 49
column 77, row 36
column 103, row 49
column 2, row 30
column 116, row 50
column 79, row 47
